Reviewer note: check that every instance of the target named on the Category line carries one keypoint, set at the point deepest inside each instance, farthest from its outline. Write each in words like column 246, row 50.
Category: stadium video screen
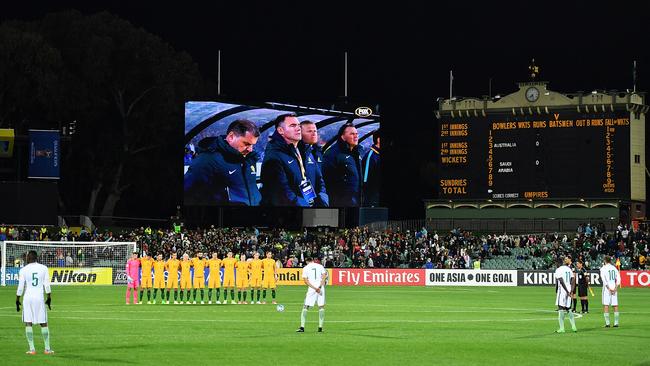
column 280, row 155
column 560, row 155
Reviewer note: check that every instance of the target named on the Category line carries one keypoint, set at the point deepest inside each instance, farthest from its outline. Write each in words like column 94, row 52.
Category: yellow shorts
column 186, row 283
column 256, row 281
column 242, row 281
column 172, row 282
column 214, row 281
column 146, row 281
column 199, row 282
column 268, row 282
column 159, row 282
column 228, row 281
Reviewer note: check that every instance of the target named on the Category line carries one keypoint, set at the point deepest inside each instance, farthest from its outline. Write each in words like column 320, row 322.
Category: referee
column 583, row 286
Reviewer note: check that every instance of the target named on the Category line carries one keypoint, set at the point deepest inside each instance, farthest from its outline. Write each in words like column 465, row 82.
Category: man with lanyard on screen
column 284, row 182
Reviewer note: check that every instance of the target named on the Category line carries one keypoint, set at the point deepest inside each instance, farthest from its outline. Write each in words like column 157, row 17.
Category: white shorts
column 562, row 298
column 313, row 297
column 34, row 311
column 609, row 299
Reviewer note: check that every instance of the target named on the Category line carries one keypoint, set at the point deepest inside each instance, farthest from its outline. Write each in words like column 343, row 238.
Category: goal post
column 69, row 262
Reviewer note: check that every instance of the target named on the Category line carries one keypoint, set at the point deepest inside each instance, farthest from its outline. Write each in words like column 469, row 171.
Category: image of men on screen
column 312, row 157
column 372, row 172
column 284, row 178
column 342, row 168
column 223, row 170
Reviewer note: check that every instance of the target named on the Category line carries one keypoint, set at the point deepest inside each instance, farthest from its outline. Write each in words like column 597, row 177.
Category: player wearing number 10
column 33, row 279
column 565, row 287
column 315, row 277
column 611, row 279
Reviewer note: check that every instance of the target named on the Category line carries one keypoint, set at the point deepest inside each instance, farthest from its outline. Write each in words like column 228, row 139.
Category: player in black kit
column 583, row 286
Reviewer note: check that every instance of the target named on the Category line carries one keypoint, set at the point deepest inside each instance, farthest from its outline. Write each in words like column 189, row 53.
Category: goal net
column 70, row 262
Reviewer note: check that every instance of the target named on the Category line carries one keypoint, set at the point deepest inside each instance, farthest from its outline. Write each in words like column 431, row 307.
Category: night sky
column 400, row 57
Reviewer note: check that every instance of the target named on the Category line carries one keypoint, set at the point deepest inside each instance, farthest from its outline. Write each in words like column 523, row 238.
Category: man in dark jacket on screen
column 284, row 179
column 311, row 157
column 342, row 168
column 224, row 172
column 372, row 172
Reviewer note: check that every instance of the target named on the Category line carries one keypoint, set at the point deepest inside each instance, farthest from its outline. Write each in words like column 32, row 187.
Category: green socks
column 30, row 337
column 46, row 337
column 303, row 317
column 321, row 317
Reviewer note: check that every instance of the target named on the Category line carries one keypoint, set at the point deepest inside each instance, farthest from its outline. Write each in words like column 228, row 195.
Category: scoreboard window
column 559, row 155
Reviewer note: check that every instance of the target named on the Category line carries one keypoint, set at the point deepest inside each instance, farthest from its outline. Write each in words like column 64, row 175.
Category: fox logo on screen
column 363, row 111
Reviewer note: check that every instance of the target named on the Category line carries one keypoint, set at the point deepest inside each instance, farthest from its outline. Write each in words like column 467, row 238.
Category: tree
column 126, row 88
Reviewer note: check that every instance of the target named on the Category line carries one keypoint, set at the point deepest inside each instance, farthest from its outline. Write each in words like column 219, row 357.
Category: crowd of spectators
column 358, row 247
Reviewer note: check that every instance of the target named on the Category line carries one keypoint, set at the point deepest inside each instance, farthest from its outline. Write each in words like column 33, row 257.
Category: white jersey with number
column 33, row 280
column 563, row 274
column 611, row 279
column 314, row 273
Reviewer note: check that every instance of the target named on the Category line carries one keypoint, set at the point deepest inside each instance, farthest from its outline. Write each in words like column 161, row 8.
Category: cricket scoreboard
column 555, row 155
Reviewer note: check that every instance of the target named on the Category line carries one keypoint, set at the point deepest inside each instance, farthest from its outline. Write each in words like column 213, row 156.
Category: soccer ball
column 280, row 308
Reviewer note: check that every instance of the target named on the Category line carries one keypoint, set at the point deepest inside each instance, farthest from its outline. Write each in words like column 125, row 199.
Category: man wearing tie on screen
column 224, row 171
column 342, row 168
column 284, row 178
column 311, row 156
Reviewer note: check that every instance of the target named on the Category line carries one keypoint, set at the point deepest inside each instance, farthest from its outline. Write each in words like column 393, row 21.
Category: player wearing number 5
column 611, row 279
column 315, row 277
column 33, row 279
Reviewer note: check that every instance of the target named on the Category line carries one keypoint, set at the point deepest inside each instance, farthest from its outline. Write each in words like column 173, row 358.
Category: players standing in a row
column 315, row 277
column 196, row 281
column 611, row 279
column 33, row 279
column 565, row 286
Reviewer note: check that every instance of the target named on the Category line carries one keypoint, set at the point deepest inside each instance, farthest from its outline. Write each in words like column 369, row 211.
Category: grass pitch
column 363, row 326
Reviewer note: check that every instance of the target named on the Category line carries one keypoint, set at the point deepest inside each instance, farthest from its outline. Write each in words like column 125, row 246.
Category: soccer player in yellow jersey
column 159, row 278
column 270, row 276
column 172, row 266
column 146, row 264
column 242, row 278
column 199, row 264
column 228, row 265
column 186, row 277
column 256, row 276
column 214, row 281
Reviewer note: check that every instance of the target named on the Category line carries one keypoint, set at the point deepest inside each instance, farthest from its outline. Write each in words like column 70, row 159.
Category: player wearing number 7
column 611, row 279
column 315, row 277
column 33, row 279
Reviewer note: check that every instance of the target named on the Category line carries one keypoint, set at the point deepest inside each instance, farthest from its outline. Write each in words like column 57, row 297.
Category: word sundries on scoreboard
column 559, row 155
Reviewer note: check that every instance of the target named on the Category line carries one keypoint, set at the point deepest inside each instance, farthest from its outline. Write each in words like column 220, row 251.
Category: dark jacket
column 220, row 175
column 314, row 173
column 342, row 174
column 371, row 177
column 281, row 175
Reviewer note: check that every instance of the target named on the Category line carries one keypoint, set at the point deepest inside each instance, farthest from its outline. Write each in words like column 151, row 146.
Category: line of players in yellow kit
column 255, row 274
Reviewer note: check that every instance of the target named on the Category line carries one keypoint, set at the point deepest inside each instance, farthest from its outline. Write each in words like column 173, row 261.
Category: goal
column 70, row 262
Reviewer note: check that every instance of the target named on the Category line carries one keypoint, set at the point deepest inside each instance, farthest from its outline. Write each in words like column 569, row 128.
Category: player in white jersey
column 33, row 279
column 315, row 277
column 565, row 287
column 611, row 280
